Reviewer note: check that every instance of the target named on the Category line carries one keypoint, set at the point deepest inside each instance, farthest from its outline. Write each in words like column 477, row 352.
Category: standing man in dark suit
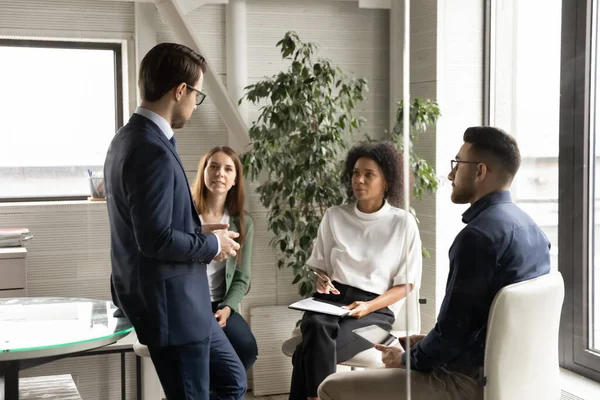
column 159, row 251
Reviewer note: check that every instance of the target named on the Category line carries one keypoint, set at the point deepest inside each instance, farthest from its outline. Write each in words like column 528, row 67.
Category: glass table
column 37, row 330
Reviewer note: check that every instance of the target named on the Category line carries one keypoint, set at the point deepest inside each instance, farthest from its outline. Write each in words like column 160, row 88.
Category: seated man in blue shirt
column 499, row 245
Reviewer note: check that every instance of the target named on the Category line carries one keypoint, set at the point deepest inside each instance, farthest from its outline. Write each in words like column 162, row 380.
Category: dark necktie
column 173, row 141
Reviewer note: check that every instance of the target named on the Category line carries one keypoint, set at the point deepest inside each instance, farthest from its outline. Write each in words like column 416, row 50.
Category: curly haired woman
column 360, row 252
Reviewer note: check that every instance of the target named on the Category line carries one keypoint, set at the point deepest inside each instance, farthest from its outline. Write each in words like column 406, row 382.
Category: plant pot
column 296, row 332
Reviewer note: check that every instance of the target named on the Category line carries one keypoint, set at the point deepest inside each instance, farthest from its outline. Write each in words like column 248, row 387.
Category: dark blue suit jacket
column 158, row 252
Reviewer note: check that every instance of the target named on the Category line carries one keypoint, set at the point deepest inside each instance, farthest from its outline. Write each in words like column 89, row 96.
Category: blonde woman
column 219, row 196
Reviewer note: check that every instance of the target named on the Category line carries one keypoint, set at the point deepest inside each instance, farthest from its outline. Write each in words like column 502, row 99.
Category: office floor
column 574, row 387
column 250, row 396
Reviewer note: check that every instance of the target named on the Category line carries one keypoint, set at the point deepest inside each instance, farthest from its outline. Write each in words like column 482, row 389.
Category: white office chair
column 371, row 358
column 521, row 353
column 151, row 389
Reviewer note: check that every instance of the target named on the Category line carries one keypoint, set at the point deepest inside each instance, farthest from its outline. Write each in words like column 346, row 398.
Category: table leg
column 150, row 381
column 9, row 372
column 138, row 377
column 123, row 385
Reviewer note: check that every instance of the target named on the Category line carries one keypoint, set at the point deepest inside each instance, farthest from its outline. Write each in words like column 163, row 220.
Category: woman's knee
column 313, row 321
column 247, row 351
column 243, row 341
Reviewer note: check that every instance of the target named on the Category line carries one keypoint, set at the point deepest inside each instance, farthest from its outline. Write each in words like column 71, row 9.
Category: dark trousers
column 241, row 338
column 328, row 340
column 209, row 369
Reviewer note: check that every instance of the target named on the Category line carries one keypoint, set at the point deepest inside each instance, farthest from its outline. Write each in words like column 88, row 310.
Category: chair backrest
column 521, row 353
column 411, row 307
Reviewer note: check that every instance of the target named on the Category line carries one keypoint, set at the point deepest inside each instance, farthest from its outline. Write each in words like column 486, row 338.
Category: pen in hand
column 326, row 282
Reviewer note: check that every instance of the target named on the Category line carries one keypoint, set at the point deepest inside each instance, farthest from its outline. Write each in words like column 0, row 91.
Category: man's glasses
column 454, row 163
column 200, row 97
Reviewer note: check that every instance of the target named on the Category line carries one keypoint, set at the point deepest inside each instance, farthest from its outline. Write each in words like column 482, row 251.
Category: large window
column 545, row 90
column 525, row 99
column 594, row 188
column 61, row 104
column 579, row 223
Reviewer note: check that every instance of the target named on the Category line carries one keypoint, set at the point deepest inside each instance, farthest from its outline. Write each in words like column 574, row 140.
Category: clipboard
column 320, row 306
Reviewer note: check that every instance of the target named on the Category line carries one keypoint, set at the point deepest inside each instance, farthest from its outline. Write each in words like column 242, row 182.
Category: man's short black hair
column 167, row 65
column 495, row 143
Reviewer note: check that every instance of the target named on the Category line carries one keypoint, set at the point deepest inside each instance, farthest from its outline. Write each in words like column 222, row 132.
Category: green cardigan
column 237, row 277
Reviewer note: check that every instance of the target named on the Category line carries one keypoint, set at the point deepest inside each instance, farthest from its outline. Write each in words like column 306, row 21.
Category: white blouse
column 368, row 251
column 215, row 270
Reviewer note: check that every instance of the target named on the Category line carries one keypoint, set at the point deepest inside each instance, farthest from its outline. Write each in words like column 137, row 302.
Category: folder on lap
column 319, row 306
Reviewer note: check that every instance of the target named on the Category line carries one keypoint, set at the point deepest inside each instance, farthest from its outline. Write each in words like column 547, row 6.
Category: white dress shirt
column 215, row 270
column 162, row 123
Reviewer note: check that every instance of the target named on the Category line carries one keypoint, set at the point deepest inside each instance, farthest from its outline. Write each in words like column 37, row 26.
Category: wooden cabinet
column 13, row 272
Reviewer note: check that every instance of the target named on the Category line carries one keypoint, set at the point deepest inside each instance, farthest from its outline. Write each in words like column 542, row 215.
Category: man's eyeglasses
column 201, row 96
column 454, row 163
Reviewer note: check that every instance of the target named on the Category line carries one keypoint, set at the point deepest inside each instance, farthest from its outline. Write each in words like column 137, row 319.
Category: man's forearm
column 436, row 350
column 178, row 246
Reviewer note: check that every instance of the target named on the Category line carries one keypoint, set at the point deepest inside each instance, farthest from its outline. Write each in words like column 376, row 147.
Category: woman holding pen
column 361, row 258
column 219, row 196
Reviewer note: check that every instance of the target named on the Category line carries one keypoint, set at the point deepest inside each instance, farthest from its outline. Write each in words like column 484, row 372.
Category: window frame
column 574, row 175
column 574, row 188
column 116, row 47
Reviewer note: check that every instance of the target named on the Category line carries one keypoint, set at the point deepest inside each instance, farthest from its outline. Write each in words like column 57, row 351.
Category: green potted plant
column 423, row 114
column 306, row 120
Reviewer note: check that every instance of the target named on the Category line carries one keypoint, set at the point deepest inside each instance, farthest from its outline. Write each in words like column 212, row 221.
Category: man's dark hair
column 497, row 145
column 167, row 65
column 388, row 159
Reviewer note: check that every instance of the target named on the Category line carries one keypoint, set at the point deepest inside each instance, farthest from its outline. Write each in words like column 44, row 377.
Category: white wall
column 423, row 83
column 446, row 66
column 460, row 95
column 70, row 253
column 70, row 256
column 354, row 39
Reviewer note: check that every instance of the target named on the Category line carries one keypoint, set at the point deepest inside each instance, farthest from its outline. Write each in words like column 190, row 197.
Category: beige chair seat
column 141, row 349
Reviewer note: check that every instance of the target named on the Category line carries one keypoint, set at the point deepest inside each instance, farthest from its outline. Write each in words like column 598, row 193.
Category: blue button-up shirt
column 500, row 245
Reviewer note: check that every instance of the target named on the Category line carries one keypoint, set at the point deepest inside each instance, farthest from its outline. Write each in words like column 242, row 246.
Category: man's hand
column 210, row 228
column 359, row 309
column 222, row 315
column 391, row 356
column 229, row 247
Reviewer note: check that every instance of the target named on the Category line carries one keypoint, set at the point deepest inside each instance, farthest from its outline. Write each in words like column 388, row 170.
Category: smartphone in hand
column 377, row 335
